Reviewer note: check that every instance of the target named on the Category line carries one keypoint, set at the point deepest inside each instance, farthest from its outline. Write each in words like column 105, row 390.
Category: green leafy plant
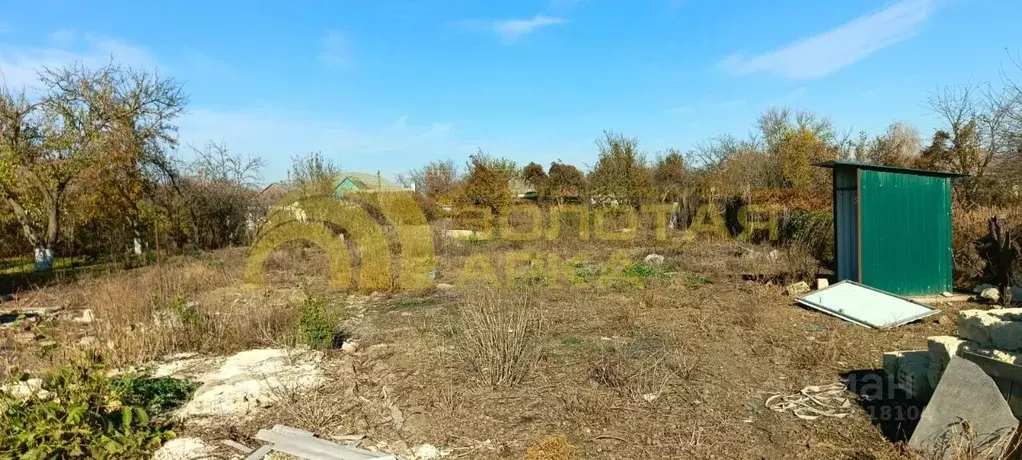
column 157, row 395
column 79, row 413
column 314, row 323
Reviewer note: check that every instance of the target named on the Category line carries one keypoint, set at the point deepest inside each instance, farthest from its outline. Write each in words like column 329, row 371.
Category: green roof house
column 364, row 182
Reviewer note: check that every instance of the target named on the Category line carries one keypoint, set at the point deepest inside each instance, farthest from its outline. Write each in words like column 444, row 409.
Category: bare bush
column 498, row 337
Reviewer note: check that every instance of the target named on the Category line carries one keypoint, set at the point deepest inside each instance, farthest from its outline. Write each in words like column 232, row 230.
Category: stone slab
column 965, row 393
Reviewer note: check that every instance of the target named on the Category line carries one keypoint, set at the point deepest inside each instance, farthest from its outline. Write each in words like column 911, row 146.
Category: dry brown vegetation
column 675, row 365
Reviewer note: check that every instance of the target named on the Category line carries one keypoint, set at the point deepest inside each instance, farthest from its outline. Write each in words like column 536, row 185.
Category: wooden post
column 156, row 232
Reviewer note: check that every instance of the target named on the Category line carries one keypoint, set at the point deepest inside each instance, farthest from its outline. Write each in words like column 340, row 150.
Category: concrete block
column 1000, row 329
column 912, row 374
column 943, row 348
column 965, row 393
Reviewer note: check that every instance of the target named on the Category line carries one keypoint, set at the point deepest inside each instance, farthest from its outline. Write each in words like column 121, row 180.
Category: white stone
column 248, row 380
column 982, row 287
column 1001, row 329
column 88, row 341
column 349, row 347
column 427, row 452
column 654, row 259
column 26, row 388
column 183, row 449
column 87, row 317
column 990, row 294
column 444, row 287
column 461, row 234
column 822, row 283
column 798, row 289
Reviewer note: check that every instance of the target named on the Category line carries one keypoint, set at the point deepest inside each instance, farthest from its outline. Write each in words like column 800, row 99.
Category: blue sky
column 390, row 85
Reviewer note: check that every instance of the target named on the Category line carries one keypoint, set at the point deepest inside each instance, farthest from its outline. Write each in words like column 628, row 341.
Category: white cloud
column 19, row 64
column 513, row 29
column 275, row 135
column 837, row 48
column 335, row 50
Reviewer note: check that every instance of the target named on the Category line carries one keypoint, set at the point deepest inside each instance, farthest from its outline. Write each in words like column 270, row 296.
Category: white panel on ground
column 866, row 306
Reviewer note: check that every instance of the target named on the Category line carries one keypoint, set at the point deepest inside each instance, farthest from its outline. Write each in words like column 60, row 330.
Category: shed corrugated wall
column 846, row 220
column 905, row 232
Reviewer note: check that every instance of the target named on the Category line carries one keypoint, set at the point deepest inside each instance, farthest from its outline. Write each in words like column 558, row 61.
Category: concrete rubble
column 247, row 381
column 995, row 334
column 183, row 449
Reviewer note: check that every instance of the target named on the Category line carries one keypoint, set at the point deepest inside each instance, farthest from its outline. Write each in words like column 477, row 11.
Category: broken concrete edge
column 1000, row 328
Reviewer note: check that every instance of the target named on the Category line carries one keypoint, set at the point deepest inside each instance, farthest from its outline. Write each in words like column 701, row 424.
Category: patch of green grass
column 586, row 271
column 697, row 280
column 405, row 304
column 643, row 271
column 572, row 341
column 449, row 331
column 157, row 395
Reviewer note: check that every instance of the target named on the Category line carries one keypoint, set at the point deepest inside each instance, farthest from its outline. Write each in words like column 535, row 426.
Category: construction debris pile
column 995, row 334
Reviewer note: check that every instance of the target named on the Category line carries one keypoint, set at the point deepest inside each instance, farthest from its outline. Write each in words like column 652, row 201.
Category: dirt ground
column 677, row 364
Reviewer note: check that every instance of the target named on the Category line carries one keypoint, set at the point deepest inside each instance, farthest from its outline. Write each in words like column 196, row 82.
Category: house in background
column 521, row 188
column 365, row 182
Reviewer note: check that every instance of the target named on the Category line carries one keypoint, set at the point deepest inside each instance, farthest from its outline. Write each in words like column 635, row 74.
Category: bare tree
column 436, row 180
column 221, row 195
column 313, row 174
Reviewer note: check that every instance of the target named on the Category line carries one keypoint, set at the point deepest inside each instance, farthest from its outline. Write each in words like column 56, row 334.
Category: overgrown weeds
column 498, row 336
column 76, row 411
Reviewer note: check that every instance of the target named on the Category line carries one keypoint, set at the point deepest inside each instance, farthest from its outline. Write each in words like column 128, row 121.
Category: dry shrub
column 551, row 448
column 143, row 324
column 318, row 410
column 295, row 262
column 498, row 336
column 967, row 227
column 749, row 316
column 814, row 354
column 961, row 442
column 645, row 369
column 802, row 266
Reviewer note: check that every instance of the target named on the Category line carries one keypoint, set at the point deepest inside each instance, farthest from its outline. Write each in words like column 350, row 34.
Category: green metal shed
column 892, row 227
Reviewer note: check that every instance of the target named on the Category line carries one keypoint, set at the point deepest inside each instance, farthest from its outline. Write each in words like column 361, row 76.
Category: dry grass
column 551, row 448
column 144, row 314
column 497, row 336
column 961, row 442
